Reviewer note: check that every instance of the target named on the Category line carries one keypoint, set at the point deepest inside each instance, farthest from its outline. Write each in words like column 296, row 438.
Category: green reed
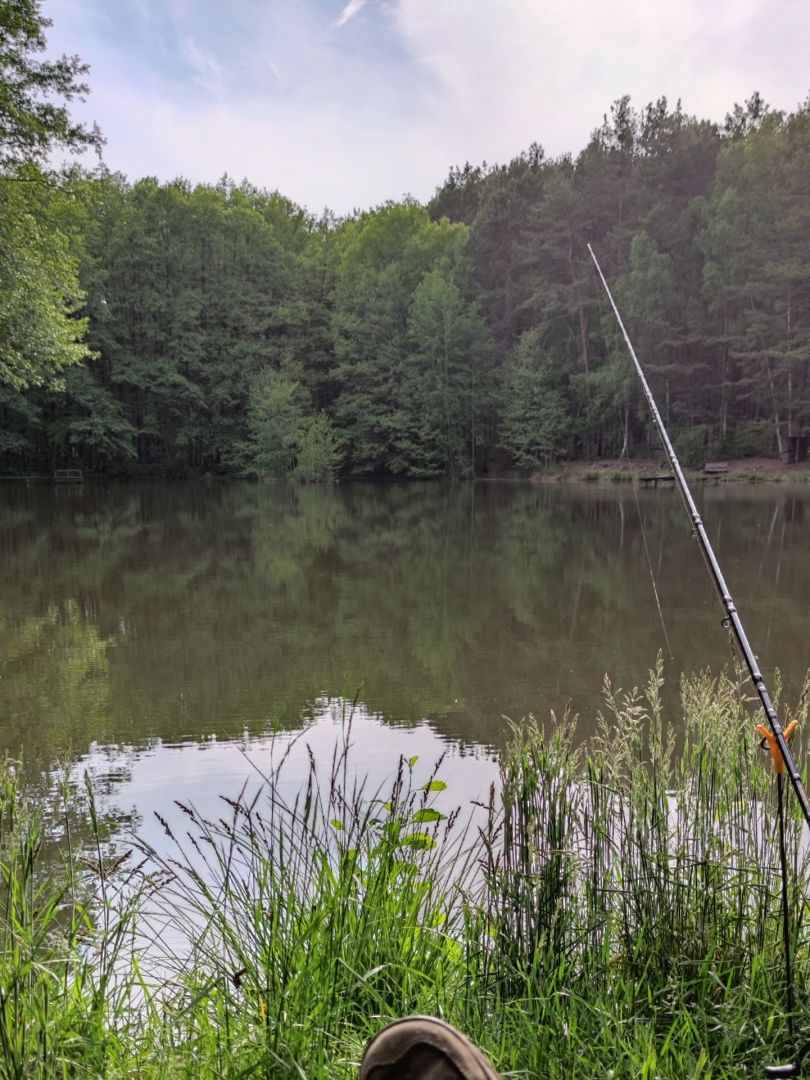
column 613, row 911
column 65, row 929
column 310, row 920
column 633, row 892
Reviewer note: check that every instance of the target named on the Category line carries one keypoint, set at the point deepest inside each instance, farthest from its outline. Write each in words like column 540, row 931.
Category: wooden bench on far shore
column 68, row 476
column 656, row 479
column 715, row 469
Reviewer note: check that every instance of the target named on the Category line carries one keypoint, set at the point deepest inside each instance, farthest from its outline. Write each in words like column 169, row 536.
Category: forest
column 171, row 329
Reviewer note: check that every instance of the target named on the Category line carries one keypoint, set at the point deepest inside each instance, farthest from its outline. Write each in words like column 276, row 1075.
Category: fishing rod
column 774, row 734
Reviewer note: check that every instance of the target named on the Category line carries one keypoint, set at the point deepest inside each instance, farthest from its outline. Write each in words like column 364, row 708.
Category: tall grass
column 633, row 893
column 308, row 921
column 613, row 911
column 65, row 931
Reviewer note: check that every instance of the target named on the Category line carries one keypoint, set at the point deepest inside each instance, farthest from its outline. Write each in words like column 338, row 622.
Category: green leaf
column 422, row 816
column 413, row 760
column 419, row 840
column 434, row 785
column 336, row 823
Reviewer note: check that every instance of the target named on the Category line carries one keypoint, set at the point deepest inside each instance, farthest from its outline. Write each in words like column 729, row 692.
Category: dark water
column 153, row 633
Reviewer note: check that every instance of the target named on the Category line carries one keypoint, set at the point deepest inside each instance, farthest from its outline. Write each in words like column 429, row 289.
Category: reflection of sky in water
column 133, row 785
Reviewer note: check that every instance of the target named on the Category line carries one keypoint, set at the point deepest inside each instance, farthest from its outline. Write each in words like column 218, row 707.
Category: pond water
column 160, row 635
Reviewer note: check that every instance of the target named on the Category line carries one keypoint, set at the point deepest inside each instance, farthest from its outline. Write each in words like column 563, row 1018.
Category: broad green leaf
column 419, row 840
column 434, row 785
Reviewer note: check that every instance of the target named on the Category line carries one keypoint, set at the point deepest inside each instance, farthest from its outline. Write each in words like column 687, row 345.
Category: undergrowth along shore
column 614, row 911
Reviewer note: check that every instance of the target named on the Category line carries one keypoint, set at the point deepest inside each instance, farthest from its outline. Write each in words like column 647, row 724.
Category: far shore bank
column 597, row 471
column 618, row 470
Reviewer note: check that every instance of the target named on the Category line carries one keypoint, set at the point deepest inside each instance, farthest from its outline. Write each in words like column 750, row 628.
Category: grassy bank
column 611, row 913
column 626, row 471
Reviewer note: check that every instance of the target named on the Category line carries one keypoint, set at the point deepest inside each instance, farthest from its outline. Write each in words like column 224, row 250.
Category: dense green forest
column 172, row 329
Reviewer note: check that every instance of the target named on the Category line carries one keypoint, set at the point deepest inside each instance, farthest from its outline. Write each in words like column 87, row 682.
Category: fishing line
column 652, row 573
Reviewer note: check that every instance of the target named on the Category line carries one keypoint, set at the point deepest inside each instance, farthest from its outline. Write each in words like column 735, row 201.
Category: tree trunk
column 583, row 327
column 790, row 378
column 777, row 424
column 723, row 395
column 625, row 442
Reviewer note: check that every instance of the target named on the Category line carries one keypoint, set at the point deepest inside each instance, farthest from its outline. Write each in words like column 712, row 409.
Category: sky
column 348, row 103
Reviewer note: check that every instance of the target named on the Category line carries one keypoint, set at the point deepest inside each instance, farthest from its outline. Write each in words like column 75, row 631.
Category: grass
column 613, row 911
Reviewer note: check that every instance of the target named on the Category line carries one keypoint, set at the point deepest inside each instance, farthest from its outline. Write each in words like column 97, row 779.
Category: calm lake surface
column 159, row 635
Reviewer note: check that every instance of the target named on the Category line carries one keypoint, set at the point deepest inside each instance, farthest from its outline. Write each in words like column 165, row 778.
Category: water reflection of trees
column 55, row 682
column 188, row 610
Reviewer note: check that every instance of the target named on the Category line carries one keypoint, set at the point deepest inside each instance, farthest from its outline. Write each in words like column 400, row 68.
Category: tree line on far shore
column 152, row 329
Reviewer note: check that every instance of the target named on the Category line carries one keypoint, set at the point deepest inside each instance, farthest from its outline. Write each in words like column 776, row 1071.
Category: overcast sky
column 347, row 103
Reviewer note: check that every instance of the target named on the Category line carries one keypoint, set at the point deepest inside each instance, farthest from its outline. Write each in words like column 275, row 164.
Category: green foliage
column 447, row 385
column 86, row 418
column 407, row 327
column 752, row 439
column 39, row 290
column 755, row 268
column 535, row 426
column 408, row 346
column 34, row 119
column 40, row 295
column 276, row 418
column 287, row 439
column 319, row 453
column 693, row 447
column 194, row 293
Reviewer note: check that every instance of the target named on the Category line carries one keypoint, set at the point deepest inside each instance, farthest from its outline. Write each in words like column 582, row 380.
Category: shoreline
column 617, row 471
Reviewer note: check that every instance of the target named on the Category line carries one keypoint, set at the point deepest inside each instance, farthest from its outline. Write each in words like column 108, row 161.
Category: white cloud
column 520, row 70
column 445, row 82
column 350, row 10
column 324, row 157
column 209, row 73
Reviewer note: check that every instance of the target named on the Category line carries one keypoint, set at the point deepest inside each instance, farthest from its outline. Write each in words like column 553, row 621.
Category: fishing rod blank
column 732, row 616
column 777, row 736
